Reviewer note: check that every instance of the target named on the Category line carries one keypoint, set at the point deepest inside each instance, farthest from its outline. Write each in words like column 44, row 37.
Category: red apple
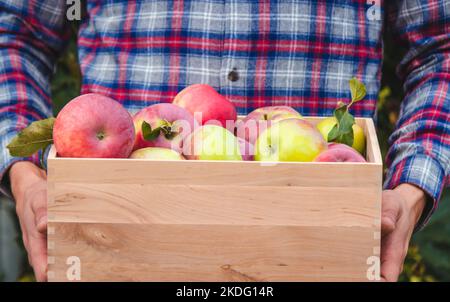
column 247, row 149
column 262, row 118
column 339, row 153
column 207, row 105
column 93, row 125
column 175, row 123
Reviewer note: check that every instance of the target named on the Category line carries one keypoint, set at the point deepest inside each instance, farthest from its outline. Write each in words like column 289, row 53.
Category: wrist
column 414, row 200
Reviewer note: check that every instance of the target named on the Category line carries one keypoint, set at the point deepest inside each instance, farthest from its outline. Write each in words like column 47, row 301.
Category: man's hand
column 29, row 188
column 401, row 209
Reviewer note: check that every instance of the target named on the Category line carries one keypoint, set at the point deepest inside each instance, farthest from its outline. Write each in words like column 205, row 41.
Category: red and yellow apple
column 260, row 119
column 207, row 105
column 156, row 153
column 339, row 153
column 93, row 125
column 212, row 142
column 176, row 122
column 289, row 140
column 359, row 139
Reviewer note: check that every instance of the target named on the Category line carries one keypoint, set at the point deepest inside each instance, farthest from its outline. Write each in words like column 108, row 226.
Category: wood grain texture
column 212, row 253
column 213, row 220
column 236, row 205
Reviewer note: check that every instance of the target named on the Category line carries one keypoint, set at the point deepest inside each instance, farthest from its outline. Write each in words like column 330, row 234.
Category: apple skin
column 211, row 142
column 93, row 125
column 339, row 153
column 262, row 118
column 214, row 107
column 293, row 140
column 156, row 153
column 180, row 119
column 359, row 139
column 247, row 149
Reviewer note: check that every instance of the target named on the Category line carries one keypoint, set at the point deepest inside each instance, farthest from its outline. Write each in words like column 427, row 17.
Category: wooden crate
column 138, row 220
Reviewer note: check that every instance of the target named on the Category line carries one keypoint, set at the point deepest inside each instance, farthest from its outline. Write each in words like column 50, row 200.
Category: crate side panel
column 213, row 173
column 118, row 252
column 243, row 205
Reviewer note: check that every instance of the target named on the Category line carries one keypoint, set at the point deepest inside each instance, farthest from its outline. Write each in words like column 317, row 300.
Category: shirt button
column 233, row 76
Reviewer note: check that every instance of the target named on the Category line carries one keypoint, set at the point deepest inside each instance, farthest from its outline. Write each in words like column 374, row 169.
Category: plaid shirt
column 257, row 53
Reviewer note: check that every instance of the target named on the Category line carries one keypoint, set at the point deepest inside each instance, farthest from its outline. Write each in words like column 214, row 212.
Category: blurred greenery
column 429, row 255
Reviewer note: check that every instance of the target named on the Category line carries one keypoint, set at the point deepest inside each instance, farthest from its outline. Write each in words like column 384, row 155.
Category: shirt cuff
column 424, row 172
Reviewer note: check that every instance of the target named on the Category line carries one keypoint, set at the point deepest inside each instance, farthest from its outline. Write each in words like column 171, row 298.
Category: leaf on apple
column 357, row 89
column 148, row 133
column 342, row 132
column 37, row 136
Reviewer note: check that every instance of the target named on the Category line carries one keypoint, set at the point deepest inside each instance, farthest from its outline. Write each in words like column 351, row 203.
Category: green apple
column 359, row 139
column 211, row 142
column 156, row 153
column 289, row 140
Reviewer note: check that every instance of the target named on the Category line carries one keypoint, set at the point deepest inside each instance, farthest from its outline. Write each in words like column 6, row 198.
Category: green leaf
column 357, row 89
column 346, row 122
column 333, row 134
column 37, row 136
column 342, row 132
column 148, row 133
column 339, row 112
column 347, row 138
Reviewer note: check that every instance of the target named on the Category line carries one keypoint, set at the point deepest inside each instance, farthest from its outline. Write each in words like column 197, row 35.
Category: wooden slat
column 372, row 147
column 243, row 205
column 131, row 171
column 212, row 253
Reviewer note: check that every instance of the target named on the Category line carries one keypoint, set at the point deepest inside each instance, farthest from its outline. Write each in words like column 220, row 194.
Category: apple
column 176, row 124
column 207, row 105
column 93, row 125
column 260, row 119
column 290, row 140
column 156, row 153
column 247, row 149
column 212, row 142
column 359, row 139
column 339, row 153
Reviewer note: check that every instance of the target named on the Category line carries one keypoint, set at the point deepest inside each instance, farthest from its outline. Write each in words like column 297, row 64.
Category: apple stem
column 101, row 135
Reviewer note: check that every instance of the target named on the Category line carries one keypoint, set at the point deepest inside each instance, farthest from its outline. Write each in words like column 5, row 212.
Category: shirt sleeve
column 420, row 145
column 32, row 34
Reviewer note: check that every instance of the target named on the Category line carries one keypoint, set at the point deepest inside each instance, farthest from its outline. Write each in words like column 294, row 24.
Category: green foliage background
column 429, row 256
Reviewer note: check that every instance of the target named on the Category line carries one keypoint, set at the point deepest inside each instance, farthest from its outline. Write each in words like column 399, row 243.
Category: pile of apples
column 200, row 124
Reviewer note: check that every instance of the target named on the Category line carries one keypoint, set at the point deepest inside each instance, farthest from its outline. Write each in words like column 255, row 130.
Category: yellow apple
column 359, row 139
column 156, row 153
column 212, row 142
column 289, row 140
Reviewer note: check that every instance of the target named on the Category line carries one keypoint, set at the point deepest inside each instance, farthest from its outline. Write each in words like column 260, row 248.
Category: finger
column 39, row 208
column 41, row 224
column 390, row 213
column 37, row 241
column 393, row 252
column 38, row 256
